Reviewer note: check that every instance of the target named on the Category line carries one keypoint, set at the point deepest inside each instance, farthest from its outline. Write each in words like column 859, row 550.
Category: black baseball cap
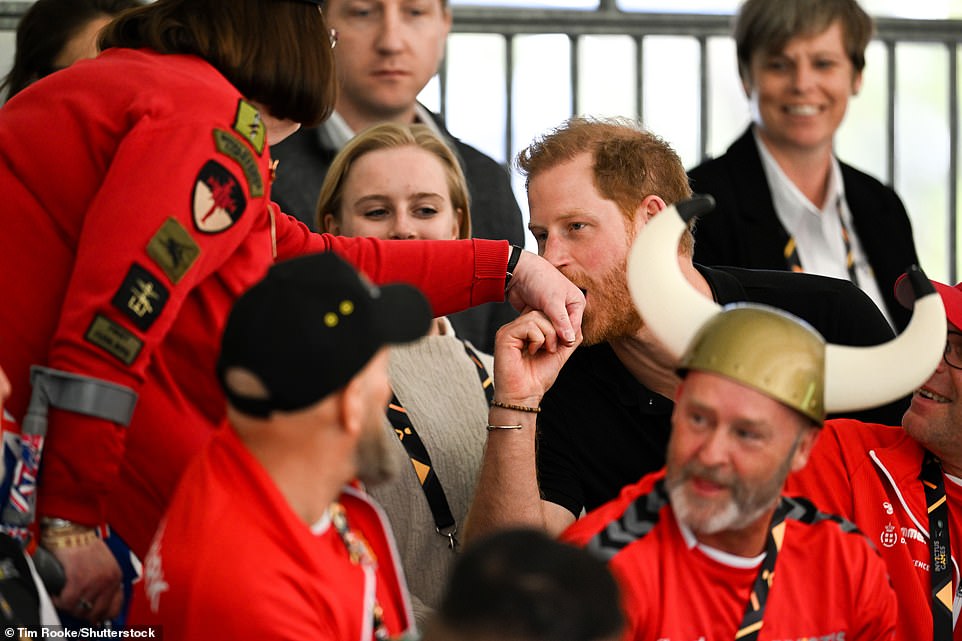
column 309, row 326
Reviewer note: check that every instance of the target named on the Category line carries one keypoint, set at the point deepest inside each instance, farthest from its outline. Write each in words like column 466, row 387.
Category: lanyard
column 939, row 547
column 444, row 522
column 755, row 610
column 795, row 264
column 360, row 554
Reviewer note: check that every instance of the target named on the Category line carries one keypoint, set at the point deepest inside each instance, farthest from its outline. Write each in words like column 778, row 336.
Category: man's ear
column 650, row 206
column 351, row 407
column 806, row 443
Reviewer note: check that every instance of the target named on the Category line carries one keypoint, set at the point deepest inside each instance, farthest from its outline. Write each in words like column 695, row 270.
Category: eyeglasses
column 333, row 34
column 953, row 350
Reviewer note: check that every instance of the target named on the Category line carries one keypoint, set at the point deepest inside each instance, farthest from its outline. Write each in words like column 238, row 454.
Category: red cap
column 951, row 298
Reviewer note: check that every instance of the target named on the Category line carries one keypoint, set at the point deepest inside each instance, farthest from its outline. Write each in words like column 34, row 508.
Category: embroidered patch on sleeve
column 218, row 199
column 229, row 145
column 141, row 297
column 173, row 249
column 248, row 123
column 114, row 339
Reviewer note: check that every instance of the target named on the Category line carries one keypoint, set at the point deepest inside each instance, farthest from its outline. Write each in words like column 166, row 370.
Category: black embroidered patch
column 173, row 249
column 141, row 297
column 114, row 339
column 218, row 199
column 229, row 145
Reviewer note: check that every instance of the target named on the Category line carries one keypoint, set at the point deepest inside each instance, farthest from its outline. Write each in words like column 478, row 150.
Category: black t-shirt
column 600, row 429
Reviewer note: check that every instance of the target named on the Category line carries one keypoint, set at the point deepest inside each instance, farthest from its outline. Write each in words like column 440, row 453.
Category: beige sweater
column 440, row 388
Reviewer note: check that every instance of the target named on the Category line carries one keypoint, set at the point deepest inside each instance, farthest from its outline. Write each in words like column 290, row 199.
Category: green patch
column 114, row 339
column 230, row 146
column 173, row 249
column 248, row 123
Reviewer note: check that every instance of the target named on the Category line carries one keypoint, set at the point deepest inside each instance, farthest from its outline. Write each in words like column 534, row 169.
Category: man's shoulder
column 620, row 514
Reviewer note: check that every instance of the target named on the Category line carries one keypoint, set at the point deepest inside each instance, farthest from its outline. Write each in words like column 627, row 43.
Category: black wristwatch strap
column 512, row 264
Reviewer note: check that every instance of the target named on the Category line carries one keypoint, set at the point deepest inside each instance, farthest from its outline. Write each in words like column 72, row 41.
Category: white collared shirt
column 818, row 232
column 335, row 132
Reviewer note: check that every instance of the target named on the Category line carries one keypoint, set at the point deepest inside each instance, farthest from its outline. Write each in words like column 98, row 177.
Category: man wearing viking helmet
column 709, row 547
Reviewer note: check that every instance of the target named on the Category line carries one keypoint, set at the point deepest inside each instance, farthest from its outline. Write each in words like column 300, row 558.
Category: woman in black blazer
column 784, row 201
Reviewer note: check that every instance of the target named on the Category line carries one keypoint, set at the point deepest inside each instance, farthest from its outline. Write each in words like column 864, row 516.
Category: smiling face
column 730, row 451
column 799, row 94
column 396, row 193
column 934, row 418
column 587, row 238
column 387, row 50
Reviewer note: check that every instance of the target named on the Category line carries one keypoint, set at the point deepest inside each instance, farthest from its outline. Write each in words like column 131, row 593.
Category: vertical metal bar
column 953, row 159
column 443, row 85
column 640, row 78
column 573, row 61
column 703, row 96
column 890, row 115
column 508, row 96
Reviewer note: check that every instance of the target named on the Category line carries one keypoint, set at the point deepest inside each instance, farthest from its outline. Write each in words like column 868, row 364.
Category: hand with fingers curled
column 537, row 284
column 528, row 355
column 93, row 589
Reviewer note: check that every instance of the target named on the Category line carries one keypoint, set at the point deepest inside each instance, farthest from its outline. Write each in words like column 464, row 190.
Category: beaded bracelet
column 520, row 408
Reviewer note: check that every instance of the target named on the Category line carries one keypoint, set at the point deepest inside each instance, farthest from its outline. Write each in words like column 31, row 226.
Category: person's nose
column 390, row 35
column 403, row 229
column 555, row 251
column 713, row 451
column 803, row 77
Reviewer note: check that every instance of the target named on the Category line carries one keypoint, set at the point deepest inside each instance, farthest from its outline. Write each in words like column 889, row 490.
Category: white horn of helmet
column 857, row 378
column 659, row 289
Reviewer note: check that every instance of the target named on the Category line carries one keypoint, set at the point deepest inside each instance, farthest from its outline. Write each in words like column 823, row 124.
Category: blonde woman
column 402, row 182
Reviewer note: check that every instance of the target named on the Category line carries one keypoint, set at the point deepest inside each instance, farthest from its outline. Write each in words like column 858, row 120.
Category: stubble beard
column 743, row 506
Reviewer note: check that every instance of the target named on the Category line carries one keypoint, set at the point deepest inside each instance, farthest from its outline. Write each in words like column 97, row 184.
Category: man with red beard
column 886, row 478
column 592, row 185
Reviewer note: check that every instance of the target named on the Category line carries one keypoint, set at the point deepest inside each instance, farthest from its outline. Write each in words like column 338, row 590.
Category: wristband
column 512, row 264
column 493, row 428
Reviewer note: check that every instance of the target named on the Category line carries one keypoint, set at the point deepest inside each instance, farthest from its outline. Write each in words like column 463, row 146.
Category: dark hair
column 43, row 32
column 764, row 26
column 522, row 584
column 275, row 52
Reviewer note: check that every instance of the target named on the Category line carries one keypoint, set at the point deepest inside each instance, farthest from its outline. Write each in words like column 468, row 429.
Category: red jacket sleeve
column 453, row 274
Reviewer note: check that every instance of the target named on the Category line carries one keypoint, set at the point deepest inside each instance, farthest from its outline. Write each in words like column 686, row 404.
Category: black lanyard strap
column 939, row 547
column 444, row 522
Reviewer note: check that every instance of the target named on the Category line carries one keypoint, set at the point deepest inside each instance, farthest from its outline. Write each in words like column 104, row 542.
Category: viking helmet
column 770, row 350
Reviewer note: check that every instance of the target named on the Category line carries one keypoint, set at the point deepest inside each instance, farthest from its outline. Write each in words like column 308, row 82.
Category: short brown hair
column 275, row 52
column 630, row 163
column 767, row 26
column 389, row 135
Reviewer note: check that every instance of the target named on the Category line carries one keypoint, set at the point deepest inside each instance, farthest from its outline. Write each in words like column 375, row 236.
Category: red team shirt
column 870, row 475
column 135, row 217
column 828, row 584
column 231, row 560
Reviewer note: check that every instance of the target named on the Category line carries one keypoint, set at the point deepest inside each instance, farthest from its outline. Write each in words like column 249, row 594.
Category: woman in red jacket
column 137, row 192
